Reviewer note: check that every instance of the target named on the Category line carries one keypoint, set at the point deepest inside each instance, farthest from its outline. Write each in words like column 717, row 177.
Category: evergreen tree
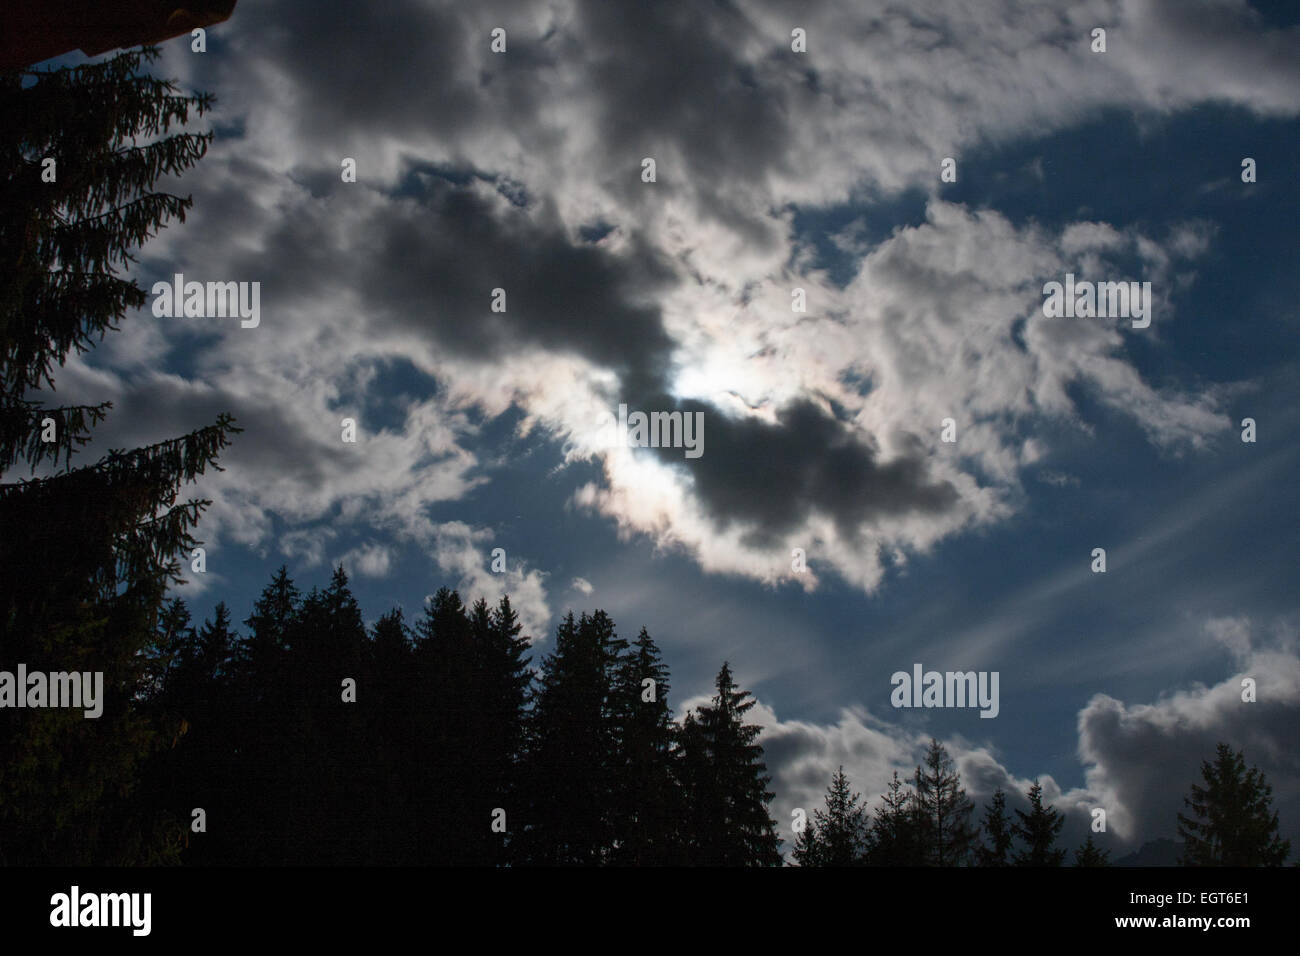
column 572, row 743
column 269, row 626
column 894, row 832
column 217, row 778
column 997, row 830
column 445, row 723
column 492, row 729
column 943, row 811
column 508, row 678
column 86, row 553
column 267, row 710
column 645, row 809
column 337, row 631
column 838, row 835
column 391, row 641
column 694, row 777
column 807, row 848
column 336, row 646
column 390, row 749
column 64, row 241
column 216, row 645
column 172, row 636
column 1038, row 829
column 1091, row 855
column 728, row 793
column 1232, row 821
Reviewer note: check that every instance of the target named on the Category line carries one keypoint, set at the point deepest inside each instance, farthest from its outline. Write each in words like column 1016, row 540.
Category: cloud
column 1132, row 752
column 480, row 171
column 943, row 320
column 371, row 560
column 459, row 549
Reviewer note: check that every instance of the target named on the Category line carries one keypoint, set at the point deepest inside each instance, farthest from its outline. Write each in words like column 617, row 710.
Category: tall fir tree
column 838, row 835
column 268, row 629
column 390, row 704
column 727, row 792
column 895, row 839
column 645, row 804
column 573, row 746
column 1038, row 830
column 995, row 849
column 216, row 646
column 507, row 678
column 87, row 552
column 491, row 727
column 172, row 635
column 1232, row 821
column 943, row 811
column 268, row 694
column 340, row 649
column 807, row 849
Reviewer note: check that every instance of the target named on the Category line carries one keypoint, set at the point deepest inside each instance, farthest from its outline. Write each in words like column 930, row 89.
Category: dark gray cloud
column 436, row 262
column 1144, row 759
column 674, row 79
column 773, row 477
column 411, row 72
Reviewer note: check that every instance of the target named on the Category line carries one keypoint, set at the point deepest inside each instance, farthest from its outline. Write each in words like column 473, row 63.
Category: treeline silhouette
column 303, row 737
column 929, row 822
column 308, row 740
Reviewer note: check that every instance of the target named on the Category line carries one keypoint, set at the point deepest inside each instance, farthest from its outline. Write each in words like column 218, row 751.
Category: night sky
column 776, row 170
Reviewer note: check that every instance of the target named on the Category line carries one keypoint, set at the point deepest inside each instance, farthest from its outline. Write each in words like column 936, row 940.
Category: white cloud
column 462, row 550
column 943, row 318
column 372, row 560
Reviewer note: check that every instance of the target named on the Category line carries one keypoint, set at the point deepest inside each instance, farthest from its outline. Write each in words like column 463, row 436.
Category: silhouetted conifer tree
column 86, row 553
column 838, row 835
column 265, row 698
column 1232, row 823
column 1089, row 854
column 943, row 811
column 995, row 850
column 807, row 851
column 490, row 728
column 390, row 743
column 1038, row 829
column 335, row 645
column 727, row 790
column 507, row 678
column 894, row 832
column 572, row 746
column 646, row 810
column 269, row 626
column 172, row 636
